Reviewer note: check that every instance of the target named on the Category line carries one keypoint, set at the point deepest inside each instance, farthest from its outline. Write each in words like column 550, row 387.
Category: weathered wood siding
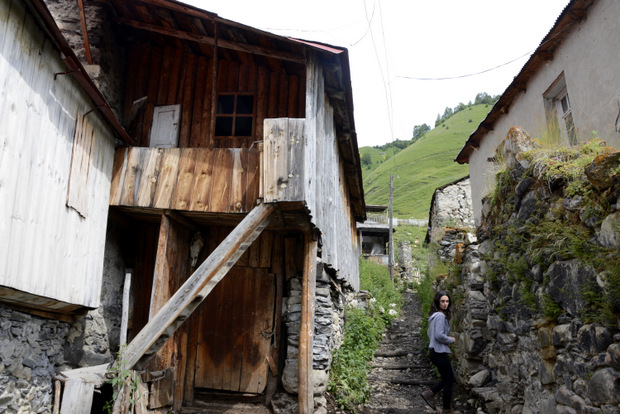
column 222, row 180
column 171, row 76
column 302, row 163
column 328, row 193
column 46, row 248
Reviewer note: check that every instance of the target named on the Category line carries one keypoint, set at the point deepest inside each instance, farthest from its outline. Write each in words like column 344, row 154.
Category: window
column 567, row 116
column 558, row 106
column 235, row 115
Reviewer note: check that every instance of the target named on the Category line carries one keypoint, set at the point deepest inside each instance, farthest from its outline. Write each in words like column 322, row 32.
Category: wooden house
column 567, row 91
column 224, row 157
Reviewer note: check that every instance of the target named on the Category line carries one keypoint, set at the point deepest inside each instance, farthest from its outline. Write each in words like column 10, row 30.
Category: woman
column 439, row 351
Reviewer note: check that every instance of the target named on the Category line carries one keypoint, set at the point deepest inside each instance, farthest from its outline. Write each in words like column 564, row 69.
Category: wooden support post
column 125, row 308
column 305, row 386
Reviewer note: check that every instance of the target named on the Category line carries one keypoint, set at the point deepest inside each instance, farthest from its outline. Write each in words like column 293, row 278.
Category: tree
column 367, row 159
column 419, row 131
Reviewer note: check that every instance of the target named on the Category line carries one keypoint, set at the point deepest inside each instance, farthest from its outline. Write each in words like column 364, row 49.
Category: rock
column 594, row 339
column 516, row 143
column 604, row 387
column 283, row 403
column 602, row 170
column 477, row 305
column 612, row 357
column 561, row 335
column 609, row 235
column 480, row 379
column 566, row 283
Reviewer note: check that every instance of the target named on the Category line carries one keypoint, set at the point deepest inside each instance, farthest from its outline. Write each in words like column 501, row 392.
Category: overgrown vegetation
column 363, row 330
column 120, row 377
column 565, row 231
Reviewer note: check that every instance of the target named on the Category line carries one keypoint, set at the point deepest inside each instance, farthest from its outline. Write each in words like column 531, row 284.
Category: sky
column 410, row 59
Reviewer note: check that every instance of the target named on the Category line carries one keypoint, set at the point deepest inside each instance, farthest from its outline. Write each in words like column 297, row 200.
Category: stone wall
column 34, row 350
column 451, row 220
column 536, row 318
column 328, row 336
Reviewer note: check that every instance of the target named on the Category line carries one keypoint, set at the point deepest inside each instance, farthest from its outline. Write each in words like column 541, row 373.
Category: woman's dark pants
column 448, row 377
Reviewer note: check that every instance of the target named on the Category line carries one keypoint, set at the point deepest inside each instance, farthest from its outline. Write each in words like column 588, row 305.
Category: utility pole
column 391, row 240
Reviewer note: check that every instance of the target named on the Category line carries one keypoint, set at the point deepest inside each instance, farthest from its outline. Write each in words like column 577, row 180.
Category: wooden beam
column 305, row 387
column 89, row 58
column 187, row 298
column 205, row 39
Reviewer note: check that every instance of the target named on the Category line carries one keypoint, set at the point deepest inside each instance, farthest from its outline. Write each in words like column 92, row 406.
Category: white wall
column 590, row 60
column 46, row 248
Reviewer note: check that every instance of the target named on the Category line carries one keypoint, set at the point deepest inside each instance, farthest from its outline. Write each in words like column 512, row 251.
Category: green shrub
column 362, row 335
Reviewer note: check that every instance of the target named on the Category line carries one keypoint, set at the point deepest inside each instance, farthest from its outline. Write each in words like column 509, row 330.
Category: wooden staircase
column 80, row 383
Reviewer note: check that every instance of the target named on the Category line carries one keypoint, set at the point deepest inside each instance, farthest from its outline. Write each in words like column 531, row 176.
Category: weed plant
column 363, row 330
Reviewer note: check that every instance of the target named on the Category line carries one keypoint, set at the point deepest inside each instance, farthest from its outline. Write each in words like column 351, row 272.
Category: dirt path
column 401, row 369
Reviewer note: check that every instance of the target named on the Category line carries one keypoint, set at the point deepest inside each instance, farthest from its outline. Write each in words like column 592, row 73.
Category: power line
column 486, row 70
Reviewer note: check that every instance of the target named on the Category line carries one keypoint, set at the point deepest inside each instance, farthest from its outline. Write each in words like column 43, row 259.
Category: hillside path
column 401, row 368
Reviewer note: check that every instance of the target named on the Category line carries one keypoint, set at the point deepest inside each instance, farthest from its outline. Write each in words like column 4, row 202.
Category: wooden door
column 165, row 127
column 234, row 332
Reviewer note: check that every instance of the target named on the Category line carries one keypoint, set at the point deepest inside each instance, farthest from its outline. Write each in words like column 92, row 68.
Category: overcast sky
column 394, row 44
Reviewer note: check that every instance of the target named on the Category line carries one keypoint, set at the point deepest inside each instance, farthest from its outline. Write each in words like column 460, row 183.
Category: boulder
column 602, row 171
column 609, row 235
column 604, row 387
column 612, row 357
column 566, row 283
column 480, row 379
column 512, row 148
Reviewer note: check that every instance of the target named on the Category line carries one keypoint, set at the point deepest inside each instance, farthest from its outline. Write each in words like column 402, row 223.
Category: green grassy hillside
column 423, row 166
column 377, row 157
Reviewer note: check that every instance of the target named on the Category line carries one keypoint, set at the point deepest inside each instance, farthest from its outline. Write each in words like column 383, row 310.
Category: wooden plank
column 81, row 159
column 221, row 182
column 262, row 329
column 208, row 111
column 77, row 397
column 236, row 182
column 199, row 97
column 293, row 97
column 167, row 180
column 125, row 307
column 118, row 175
column 262, row 101
column 251, row 191
column 194, row 332
column 202, row 182
column 196, row 288
column 182, row 192
column 266, row 245
column 187, row 99
column 134, row 162
column 176, row 80
column 237, row 327
column 274, row 94
column 232, row 77
column 165, row 76
column 306, row 329
column 148, row 178
column 154, row 76
column 283, row 98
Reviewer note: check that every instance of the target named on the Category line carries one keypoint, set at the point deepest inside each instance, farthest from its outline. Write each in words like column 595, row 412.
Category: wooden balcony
column 224, row 180
column 220, row 180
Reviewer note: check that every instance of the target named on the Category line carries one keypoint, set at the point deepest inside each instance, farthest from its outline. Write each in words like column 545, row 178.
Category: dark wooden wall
column 171, row 76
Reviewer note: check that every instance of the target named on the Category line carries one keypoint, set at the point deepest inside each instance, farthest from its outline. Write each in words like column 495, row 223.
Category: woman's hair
column 435, row 305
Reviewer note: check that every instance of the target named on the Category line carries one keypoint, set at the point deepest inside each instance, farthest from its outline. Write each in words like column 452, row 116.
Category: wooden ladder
column 80, row 382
